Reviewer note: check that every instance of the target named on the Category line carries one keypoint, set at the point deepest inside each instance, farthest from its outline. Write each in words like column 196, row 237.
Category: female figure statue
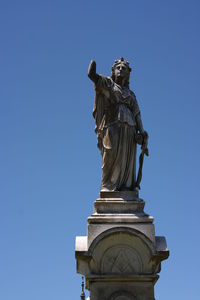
column 118, row 126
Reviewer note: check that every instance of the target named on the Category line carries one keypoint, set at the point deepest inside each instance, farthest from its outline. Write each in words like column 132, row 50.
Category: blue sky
column 50, row 165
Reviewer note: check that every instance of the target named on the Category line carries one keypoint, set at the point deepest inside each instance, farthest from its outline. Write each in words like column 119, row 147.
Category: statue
column 119, row 128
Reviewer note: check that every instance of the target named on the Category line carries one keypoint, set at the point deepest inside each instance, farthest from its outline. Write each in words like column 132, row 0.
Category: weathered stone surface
column 120, row 256
column 123, row 288
column 96, row 230
column 116, row 206
column 81, row 244
column 117, row 213
column 119, row 128
column 121, row 195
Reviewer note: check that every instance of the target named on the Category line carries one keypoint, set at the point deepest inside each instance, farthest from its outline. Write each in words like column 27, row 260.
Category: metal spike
column 82, row 292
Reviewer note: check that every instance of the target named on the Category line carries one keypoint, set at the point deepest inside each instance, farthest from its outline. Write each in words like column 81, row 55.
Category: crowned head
column 121, row 72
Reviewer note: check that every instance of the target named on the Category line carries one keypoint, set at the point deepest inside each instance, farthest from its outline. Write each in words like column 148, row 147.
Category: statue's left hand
column 145, row 137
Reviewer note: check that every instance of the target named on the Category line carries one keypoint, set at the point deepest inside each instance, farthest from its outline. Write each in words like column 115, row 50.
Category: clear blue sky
column 49, row 163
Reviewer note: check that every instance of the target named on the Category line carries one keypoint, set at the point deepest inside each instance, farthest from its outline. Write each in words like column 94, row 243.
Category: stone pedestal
column 120, row 257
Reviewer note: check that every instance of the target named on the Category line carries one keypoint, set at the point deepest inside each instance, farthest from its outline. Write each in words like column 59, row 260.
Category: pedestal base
column 120, row 256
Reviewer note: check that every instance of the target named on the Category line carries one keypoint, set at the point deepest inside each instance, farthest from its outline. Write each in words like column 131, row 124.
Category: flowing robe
column 115, row 111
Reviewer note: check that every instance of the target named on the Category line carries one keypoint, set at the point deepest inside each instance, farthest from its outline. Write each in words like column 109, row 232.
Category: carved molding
column 125, row 230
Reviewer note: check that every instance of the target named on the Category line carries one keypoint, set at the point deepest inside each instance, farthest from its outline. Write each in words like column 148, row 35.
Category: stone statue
column 119, row 128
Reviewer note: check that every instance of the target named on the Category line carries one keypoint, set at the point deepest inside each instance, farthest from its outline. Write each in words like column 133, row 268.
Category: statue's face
column 121, row 71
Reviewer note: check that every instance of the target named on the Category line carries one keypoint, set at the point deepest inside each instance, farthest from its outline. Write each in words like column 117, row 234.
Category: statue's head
column 121, row 71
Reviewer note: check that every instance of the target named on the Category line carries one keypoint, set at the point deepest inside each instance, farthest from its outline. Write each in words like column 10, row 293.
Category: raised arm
column 92, row 72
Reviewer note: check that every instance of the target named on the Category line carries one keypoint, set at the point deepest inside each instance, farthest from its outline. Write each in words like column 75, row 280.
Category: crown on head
column 121, row 61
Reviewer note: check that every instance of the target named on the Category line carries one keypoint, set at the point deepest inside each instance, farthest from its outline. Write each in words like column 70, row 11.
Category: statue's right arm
column 92, row 72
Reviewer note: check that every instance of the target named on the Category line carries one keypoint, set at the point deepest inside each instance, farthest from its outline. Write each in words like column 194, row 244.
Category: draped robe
column 115, row 111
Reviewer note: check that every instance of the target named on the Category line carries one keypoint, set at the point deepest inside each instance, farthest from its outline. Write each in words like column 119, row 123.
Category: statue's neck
column 120, row 81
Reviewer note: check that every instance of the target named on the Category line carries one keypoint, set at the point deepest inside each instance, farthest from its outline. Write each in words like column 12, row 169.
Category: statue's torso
column 120, row 103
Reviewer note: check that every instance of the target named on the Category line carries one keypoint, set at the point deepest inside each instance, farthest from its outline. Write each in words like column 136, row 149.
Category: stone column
column 120, row 257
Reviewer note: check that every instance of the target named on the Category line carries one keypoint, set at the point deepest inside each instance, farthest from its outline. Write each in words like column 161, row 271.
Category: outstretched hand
column 92, row 71
column 92, row 66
